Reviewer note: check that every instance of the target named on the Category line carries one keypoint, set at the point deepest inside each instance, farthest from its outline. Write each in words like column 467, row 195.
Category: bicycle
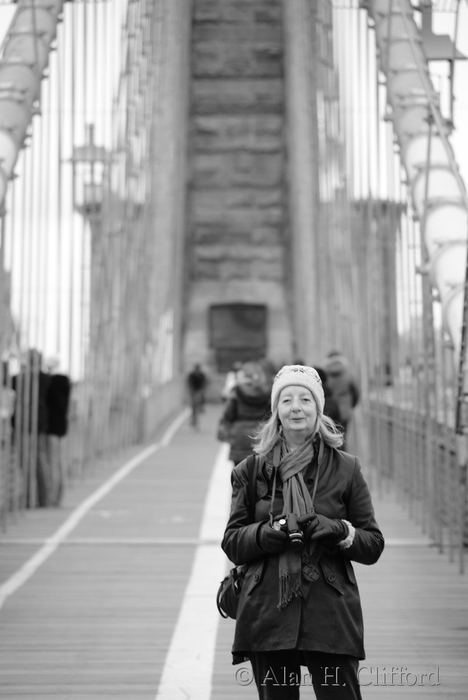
column 197, row 401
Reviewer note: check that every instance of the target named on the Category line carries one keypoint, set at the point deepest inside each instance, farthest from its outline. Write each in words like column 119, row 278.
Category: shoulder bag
column 227, row 598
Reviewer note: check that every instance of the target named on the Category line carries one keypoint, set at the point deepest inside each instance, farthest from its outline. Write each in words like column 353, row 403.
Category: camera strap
column 255, row 463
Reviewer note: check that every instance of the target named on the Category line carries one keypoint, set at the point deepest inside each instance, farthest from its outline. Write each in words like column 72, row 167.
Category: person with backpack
column 311, row 516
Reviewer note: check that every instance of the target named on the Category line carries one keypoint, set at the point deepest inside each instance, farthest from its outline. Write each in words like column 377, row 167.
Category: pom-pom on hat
column 298, row 375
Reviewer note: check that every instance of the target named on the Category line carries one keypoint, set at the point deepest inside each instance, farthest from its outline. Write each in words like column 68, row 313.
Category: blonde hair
column 268, row 433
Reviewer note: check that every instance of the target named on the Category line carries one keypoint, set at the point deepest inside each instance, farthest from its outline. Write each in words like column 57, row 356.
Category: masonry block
column 237, row 12
column 212, row 204
column 227, row 32
column 239, row 220
column 248, row 59
column 221, row 133
column 238, row 169
column 237, row 96
column 224, row 235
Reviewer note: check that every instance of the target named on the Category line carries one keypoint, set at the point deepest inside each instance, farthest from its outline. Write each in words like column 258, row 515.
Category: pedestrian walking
column 58, row 399
column 343, row 387
column 299, row 604
column 196, row 384
column 248, row 405
column 330, row 408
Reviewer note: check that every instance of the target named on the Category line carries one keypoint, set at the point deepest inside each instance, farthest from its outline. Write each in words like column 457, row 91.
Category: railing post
column 462, row 456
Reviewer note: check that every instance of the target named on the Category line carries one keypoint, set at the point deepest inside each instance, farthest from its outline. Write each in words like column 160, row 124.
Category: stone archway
column 237, row 332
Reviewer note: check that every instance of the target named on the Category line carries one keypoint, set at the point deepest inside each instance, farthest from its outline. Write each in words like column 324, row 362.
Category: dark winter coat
column 328, row 617
column 331, row 408
column 58, row 398
column 246, row 408
column 196, row 380
column 344, row 391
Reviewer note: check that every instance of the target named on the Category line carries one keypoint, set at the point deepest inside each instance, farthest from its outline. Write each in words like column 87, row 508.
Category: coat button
column 331, row 578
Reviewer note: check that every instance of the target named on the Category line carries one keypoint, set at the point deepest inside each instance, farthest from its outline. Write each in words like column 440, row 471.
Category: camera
column 288, row 523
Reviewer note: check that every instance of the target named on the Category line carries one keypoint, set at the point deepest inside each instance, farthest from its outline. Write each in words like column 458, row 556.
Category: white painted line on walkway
column 172, row 429
column 188, row 668
column 422, row 542
column 409, row 542
column 113, row 541
column 33, row 563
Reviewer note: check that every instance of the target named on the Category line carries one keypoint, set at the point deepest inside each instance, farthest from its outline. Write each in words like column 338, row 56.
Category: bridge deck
column 118, row 603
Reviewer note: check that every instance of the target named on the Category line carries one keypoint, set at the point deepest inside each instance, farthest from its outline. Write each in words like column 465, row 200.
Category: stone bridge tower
column 237, row 219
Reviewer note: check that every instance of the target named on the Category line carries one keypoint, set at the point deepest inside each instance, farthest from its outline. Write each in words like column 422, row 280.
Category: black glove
column 309, row 524
column 332, row 529
column 270, row 540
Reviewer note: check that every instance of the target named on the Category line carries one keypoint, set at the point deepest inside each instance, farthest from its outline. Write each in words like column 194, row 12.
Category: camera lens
column 296, row 540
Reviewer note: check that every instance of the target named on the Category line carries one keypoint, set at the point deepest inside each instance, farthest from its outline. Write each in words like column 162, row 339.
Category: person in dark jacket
column 300, row 603
column 330, row 408
column 343, row 387
column 197, row 382
column 247, row 406
column 58, row 399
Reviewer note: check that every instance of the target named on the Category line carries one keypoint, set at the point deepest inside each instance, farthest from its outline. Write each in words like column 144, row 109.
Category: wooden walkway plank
column 415, row 606
column 96, row 620
column 416, row 615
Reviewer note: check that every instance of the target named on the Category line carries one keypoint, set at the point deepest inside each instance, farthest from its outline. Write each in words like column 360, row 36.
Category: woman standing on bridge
column 313, row 515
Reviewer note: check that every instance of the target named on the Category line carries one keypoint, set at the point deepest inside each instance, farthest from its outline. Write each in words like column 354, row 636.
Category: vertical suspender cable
column 40, row 146
column 418, row 485
column 402, row 435
column 375, row 280
column 15, row 264
column 32, row 394
column 59, row 445
column 344, row 235
column 75, row 360
column 364, row 295
column 337, row 250
column 347, row 159
column 84, row 310
column 431, row 401
column 360, row 269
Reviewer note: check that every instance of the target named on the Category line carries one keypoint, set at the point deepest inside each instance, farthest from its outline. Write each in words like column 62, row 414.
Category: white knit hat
column 298, row 375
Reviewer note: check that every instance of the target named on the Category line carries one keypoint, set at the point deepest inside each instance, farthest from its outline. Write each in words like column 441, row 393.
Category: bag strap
column 253, row 463
column 276, row 463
